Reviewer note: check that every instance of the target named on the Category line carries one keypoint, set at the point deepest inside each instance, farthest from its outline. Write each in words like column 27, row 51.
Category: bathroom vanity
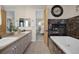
column 15, row 44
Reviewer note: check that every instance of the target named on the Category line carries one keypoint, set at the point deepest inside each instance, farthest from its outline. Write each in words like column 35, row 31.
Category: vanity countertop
column 68, row 44
column 5, row 41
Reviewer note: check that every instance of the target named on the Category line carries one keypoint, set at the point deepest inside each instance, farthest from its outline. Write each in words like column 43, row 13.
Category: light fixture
column 77, row 8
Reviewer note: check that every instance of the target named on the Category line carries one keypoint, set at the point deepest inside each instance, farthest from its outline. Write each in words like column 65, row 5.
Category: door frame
column 46, row 41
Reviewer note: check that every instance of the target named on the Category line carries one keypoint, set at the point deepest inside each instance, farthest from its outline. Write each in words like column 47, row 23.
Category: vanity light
column 77, row 8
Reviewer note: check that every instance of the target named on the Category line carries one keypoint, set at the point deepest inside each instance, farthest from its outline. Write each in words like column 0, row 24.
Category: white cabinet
column 19, row 46
column 9, row 50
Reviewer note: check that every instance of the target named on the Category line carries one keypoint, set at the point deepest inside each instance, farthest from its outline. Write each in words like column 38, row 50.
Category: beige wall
column 27, row 12
column 69, row 11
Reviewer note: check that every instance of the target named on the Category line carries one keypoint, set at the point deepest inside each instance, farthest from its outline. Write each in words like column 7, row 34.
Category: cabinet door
column 29, row 37
column 26, row 41
column 21, row 45
column 18, row 47
column 9, row 50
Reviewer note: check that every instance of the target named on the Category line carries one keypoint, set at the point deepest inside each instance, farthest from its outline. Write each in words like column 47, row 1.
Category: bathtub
column 68, row 44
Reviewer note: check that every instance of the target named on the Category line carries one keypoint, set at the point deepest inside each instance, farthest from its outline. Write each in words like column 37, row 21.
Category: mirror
column 9, row 25
column 0, row 22
column 24, row 22
column 10, row 21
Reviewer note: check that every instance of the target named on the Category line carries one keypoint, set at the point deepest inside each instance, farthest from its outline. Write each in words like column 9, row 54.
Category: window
column 23, row 22
column 26, row 23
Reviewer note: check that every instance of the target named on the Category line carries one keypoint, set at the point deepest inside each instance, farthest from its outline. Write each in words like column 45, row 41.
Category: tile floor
column 37, row 47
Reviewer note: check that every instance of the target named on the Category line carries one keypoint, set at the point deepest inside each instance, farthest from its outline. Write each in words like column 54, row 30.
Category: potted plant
column 15, row 30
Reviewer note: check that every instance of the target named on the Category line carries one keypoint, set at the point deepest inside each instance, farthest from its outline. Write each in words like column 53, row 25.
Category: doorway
column 39, row 24
column 46, row 41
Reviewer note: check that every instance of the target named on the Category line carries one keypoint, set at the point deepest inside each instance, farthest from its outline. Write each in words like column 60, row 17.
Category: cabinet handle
column 14, row 48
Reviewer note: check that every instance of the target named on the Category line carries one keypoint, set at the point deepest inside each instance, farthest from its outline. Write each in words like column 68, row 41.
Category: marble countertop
column 68, row 44
column 5, row 41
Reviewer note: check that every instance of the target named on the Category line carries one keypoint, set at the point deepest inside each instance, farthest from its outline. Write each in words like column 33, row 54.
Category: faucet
column 0, row 37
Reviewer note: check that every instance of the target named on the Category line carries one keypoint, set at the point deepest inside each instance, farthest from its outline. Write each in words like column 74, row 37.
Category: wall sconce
column 77, row 8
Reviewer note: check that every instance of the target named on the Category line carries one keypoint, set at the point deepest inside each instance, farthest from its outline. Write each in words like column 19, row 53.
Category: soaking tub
column 68, row 44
